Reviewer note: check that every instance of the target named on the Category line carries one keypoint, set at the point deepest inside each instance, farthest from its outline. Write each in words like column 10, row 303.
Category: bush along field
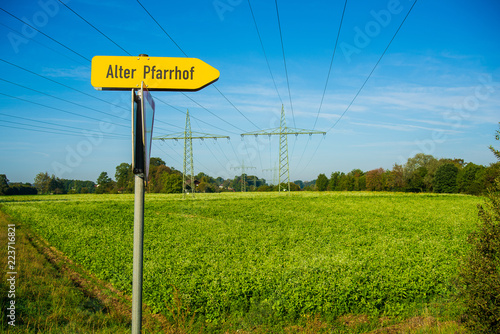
column 268, row 260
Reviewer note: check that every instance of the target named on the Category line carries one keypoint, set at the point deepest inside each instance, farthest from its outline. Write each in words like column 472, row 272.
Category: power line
column 90, row 24
column 159, row 25
column 373, row 69
column 208, row 147
column 29, row 25
column 77, row 104
column 284, row 61
column 130, row 54
column 263, row 50
column 87, row 60
column 45, row 46
column 231, row 103
column 331, row 62
column 185, row 54
column 327, row 79
column 364, row 83
column 283, row 132
column 50, row 123
column 61, row 84
column 187, row 136
column 179, row 110
column 312, row 156
column 45, row 131
column 222, row 119
column 61, row 99
column 61, row 110
column 62, row 131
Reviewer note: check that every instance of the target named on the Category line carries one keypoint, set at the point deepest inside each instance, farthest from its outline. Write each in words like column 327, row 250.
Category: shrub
column 480, row 273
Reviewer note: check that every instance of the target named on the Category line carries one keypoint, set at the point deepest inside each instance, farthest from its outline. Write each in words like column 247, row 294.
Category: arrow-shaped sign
column 157, row 73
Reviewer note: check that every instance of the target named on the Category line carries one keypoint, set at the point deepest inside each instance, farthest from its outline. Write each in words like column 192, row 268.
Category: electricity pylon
column 243, row 176
column 188, row 137
column 283, row 131
column 274, row 173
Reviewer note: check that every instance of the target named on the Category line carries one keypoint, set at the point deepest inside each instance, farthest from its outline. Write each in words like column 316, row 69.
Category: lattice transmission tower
column 188, row 166
column 243, row 176
column 274, row 174
column 283, row 131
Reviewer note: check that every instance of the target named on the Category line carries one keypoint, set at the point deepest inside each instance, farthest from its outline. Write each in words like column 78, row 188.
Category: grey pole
column 138, row 251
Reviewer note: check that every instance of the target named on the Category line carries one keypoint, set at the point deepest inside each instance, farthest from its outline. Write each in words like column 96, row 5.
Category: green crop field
column 260, row 259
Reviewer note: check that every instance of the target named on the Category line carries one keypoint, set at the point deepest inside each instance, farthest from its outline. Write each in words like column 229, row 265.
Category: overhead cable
column 264, row 51
column 331, row 63
column 61, row 84
column 58, row 109
column 284, row 61
column 61, row 99
column 45, row 46
column 41, row 32
column 90, row 24
column 185, row 54
column 373, row 69
column 50, row 123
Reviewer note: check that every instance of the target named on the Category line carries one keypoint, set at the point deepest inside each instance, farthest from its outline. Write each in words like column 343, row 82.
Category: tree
column 334, row 181
column 357, row 180
column 414, row 175
column 156, row 162
column 321, row 182
column 470, row 179
column 20, row 189
column 496, row 153
column 294, row 187
column 124, row 177
column 56, row 185
column 264, row 188
column 4, row 184
column 375, row 180
column 396, row 180
column 479, row 279
column 419, row 160
column 103, row 179
column 415, row 182
column 343, row 183
column 300, row 183
column 172, row 183
column 445, row 179
column 42, row 183
column 104, row 183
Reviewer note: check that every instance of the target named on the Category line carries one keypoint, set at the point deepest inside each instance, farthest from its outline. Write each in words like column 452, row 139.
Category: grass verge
column 53, row 295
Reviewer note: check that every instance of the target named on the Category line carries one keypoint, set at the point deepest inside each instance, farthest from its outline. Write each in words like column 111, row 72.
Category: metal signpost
column 143, row 110
column 144, row 74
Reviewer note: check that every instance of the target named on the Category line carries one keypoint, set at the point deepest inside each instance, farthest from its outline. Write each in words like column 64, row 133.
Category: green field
column 265, row 259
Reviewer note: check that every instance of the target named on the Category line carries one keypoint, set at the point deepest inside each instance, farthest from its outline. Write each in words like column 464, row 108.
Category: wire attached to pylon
column 373, row 69
column 185, row 54
column 284, row 61
column 41, row 32
column 331, row 63
column 264, row 51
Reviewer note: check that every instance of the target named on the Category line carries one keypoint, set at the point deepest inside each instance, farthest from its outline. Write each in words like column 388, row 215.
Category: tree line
column 164, row 179
column 421, row 173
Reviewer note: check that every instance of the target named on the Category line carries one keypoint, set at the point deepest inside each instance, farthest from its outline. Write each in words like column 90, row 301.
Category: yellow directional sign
column 158, row 73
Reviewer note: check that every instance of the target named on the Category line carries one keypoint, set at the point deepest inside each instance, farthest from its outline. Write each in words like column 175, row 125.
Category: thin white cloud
column 79, row 72
column 404, row 127
column 440, row 123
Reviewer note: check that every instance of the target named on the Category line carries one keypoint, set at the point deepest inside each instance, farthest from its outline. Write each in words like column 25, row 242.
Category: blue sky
column 436, row 89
